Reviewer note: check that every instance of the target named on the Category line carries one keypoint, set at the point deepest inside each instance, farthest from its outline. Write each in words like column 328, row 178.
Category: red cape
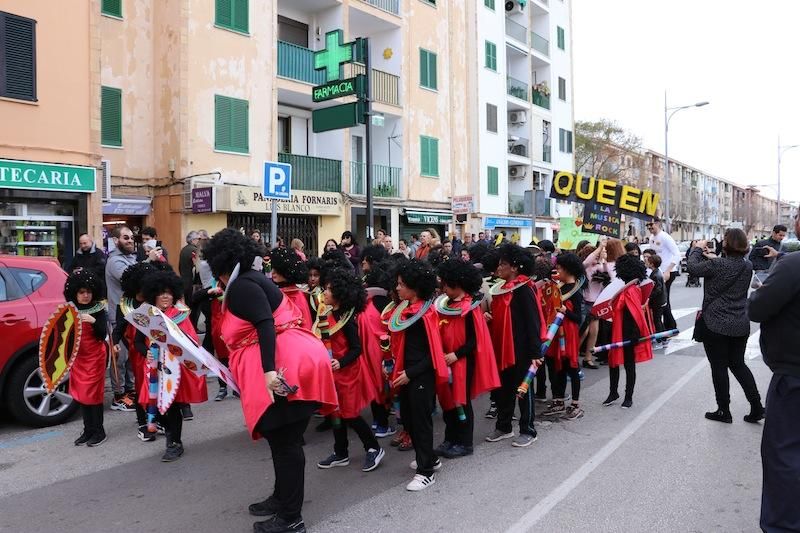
column 371, row 328
column 87, row 377
column 430, row 321
column 354, row 386
column 501, row 328
column 630, row 299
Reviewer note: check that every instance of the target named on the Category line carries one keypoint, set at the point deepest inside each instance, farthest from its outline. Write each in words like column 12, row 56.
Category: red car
column 30, row 290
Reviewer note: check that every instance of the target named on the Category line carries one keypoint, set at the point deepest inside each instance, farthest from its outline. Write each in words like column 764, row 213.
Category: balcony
column 540, row 44
column 385, row 86
column 540, row 99
column 547, row 153
column 516, row 204
column 518, row 146
column 516, row 31
column 386, row 180
column 517, row 88
column 314, row 173
column 390, row 6
column 297, row 63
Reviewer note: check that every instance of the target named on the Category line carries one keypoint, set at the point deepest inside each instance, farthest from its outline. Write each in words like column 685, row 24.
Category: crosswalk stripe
column 753, row 349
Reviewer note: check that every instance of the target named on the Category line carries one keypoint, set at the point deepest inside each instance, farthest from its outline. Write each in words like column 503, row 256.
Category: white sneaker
column 436, row 466
column 421, row 482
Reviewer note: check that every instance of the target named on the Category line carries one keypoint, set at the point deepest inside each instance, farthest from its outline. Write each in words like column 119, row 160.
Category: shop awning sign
column 463, row 205
column 46, row 177
column 506, row 222
column 639, row 203
column 203, row 200
column 425, row 217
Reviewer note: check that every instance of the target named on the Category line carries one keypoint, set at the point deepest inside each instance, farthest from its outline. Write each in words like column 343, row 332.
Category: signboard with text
column 463, row 205
column 506, row 222
column 639, row 203
column 46, row 177
column 339, row 89
column 203, row 200
column 277, row 180
column 571, row 232
column 243, row 199
column 602, row 220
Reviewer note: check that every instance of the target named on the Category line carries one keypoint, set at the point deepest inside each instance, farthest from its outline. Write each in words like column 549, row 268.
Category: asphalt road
column 659, row 466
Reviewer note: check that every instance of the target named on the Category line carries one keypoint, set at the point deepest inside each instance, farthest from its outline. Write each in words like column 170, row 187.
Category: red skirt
column 88, row 375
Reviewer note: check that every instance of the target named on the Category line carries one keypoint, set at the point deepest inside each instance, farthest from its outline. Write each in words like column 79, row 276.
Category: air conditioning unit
column 517, row 171
column 517, row 117
column 513, row 6
column 105, row 165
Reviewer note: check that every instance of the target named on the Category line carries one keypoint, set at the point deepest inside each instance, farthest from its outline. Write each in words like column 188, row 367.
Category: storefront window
column 37, row 229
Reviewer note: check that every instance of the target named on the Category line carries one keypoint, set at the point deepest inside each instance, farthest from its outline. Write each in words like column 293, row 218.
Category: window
column 492, row 181
column 564, row 141
column 110, row 116
column 431, row 2
column 292, row 31
column 427, row 69
column 29, row 280
column 561, row 38
column 562, row 89
column 231, row 124
column 489, row 4
column 3, row 291
column 429, row 156
column 232, row 15
column 491, row 118
column 17, row 57
column 112, row 8
column 491, row 56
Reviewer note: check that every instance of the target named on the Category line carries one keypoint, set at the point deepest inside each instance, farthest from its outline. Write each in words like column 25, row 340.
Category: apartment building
column 524, row 112
column 49, row 127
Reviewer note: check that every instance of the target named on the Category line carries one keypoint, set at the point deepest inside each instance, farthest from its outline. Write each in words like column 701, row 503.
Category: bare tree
column 604, row 149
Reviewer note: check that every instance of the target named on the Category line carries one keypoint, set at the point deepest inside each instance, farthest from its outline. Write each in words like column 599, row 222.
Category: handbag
column 700, row 327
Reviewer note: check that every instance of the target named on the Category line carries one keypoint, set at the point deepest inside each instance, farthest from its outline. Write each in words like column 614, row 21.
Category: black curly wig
column 379, row 275
column 159, row 282
column 458, row 274
column 131, row 280
column 489, row 261
column 373, row 253
column 289, row 265
column 629, row 268
column 226, row 249
column 85, row 279
column 336, row 259
column 542, row 268
column 314, row 263
column 346, row 289
column 572, row 264
column 477, row 251
column 418, row 276
column 517, row 257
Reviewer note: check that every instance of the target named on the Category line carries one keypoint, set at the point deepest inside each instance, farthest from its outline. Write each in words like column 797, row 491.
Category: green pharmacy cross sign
column 334, row 56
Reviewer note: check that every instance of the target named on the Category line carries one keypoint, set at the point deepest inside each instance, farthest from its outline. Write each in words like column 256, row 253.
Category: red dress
column 370, row 329
column 631, row 299
column 87, row 378
column 220, row 349
column 300, row 299
column 570, row 333
column 354, row 386
column 302, row 356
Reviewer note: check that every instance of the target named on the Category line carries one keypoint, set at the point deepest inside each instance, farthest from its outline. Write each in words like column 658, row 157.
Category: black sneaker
column 756, row 414
column 332, row 461
column 236, row 394
column 187, row 413
column 627, row 403
column 97, row 439
column 443, row 447
column 144, row 435
column 83, row 439
column 268, row 507
column 373, row 459
column 173, row 453
column 221, row 394
column 457, row 450
column 277, row 524
column 720, row 416
column 492, row 412
column 612, row 398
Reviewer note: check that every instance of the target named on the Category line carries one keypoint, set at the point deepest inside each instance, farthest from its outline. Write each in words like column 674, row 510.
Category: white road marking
column 753, row 349
column 684, row 311
column 561, row 492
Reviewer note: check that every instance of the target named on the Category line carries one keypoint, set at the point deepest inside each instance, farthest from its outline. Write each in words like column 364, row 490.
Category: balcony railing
column 314, row 173
column 540, row 44
column 516, row 204
column 518, row 147
column 517, row 31
column 517, row 88
column 392, row 6
column 385, row 180
column 541, row 100
column 547, row 153
column 385, row 86
column 297, row 63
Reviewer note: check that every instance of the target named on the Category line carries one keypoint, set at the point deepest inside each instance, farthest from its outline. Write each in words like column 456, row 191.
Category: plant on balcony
column 542, row 88
column 385, row 189
column 518, row 92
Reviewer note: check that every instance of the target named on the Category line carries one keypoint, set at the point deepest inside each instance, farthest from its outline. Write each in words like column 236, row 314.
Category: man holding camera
column 760, row 256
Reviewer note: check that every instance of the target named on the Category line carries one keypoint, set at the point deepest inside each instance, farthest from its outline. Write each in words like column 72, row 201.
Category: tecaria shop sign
column 46, row 177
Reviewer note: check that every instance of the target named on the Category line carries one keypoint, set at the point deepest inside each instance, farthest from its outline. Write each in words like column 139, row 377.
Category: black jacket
column 94, row 260
column 758, row 252
column 658, row 298
column 776, row 305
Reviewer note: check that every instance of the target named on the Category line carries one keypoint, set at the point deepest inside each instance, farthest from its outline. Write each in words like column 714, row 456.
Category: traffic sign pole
column 368, row 135
column 277, row 186
column 273, row 225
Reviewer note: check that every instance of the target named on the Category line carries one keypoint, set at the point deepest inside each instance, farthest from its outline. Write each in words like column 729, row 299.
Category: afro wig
column 542, row 268
column 131, row 279
column 289, row 265
column 85, row 279
column 228, row 248
column 314, row 263
column 517, row 257
column 335, row 259
column 159, row 282
column 477, row 251
column 373, row 253
column 379, row 276
column 418, row 276
column 572, row 264
column 490, row 260
column 629, row 268
column 458, row 274
column 346, row 289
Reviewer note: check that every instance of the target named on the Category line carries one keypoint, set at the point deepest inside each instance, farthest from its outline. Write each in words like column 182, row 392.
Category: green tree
column 606, row 150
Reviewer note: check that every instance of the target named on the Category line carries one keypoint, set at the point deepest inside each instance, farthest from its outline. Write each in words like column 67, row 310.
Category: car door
column 18, row 322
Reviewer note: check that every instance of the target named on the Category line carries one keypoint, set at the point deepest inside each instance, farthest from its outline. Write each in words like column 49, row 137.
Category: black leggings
column 289, row 463
column 630, row 373
column 362, row 429
column 92, row 418
column 559, row 379
column 380, row 414
column 727, row 353
column 172, row 421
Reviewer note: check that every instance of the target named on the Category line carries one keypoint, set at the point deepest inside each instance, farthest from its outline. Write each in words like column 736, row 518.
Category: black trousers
column 461, row 431
column 658, row 318
column 780, row 456
column 669, row 320
column 362, row 429
column 510, row 378
column 416, row 403
column 289, row 464
column 380, row 414
column 559, row 379
column 727, row 353
column 92, row 418
column 541, row 381
column 629, row 359
column 172, row 421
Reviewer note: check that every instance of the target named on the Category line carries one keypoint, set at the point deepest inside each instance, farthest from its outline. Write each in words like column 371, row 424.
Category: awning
column 428, row 217
column 127, row 207
column 506, row 222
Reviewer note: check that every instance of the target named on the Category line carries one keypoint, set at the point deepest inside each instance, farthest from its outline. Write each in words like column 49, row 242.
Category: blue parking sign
column 277, row 180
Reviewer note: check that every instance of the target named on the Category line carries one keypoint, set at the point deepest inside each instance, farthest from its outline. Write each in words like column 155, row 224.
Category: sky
column 741, row 56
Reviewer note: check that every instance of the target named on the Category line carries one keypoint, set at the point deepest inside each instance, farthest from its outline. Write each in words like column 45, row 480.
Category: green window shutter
column 427, row 69
column 429, row 156
column 492, row 179
column 562, row 40
column 240, row 15
column 432, row 71
column 424, row 158
column 231, row 124
column 112, row 7
column 489, row 4
column 17, row 57
column 223, row 13
column 222, row 123
column 491, row 55
column 111, row 116
column 434, row 157
column 240, row 134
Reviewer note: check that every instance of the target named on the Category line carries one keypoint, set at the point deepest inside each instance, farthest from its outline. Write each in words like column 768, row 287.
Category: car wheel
column 28, row 402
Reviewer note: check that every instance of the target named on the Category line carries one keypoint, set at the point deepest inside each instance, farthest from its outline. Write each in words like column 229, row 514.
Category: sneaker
column 439, row 450
column 421, row 482
column 573, row 412
column 83, row 439
column 557, row 408
column 186, row 411
column 159, row 428
column 497, row 436
column 611, row 400
column 97, row 439
column 581, row 375
column 541, row 399
column 492, row 412
column 277, row 524
column 384, row 431
column 373, row 427
column 437, row 465
column 268, row 507
column 627, row 403
column 173, row 453
column 144, row 435
column 524, row 440
column 720, row 416
column 457, row 450
column 373, row 459
column 333, row 460
column 221, row 394
column 236, row 394
column 406, row 444
column 122, row 403
column 398, row 439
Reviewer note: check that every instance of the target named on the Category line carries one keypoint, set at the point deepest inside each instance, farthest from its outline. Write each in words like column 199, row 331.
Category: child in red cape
column 468, row 353
column 355, row 388
column 419, row 364
column 288, row 272
column 628, row 322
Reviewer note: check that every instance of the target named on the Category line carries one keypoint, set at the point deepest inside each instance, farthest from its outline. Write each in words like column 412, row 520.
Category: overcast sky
column 741, row 56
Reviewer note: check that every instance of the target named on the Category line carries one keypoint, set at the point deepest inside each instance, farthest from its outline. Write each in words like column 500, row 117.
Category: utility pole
column 368, row 135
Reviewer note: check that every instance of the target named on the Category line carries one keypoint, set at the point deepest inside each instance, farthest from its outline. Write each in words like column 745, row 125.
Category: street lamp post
column 781, row 151
column 667, row 117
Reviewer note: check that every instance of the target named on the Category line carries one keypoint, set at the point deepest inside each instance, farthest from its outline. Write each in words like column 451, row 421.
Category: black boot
column 756, row 413
column 276, row 524
column 98, row 431
column 720, row 415
column 86, row 414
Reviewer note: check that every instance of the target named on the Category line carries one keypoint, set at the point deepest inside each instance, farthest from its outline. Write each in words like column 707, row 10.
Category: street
column 659, row 466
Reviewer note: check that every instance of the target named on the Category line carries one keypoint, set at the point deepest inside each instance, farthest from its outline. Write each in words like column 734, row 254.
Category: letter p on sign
column 277, row 180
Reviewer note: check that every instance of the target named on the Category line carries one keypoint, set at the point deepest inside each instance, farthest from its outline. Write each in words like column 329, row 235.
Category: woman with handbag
column 722, row 324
